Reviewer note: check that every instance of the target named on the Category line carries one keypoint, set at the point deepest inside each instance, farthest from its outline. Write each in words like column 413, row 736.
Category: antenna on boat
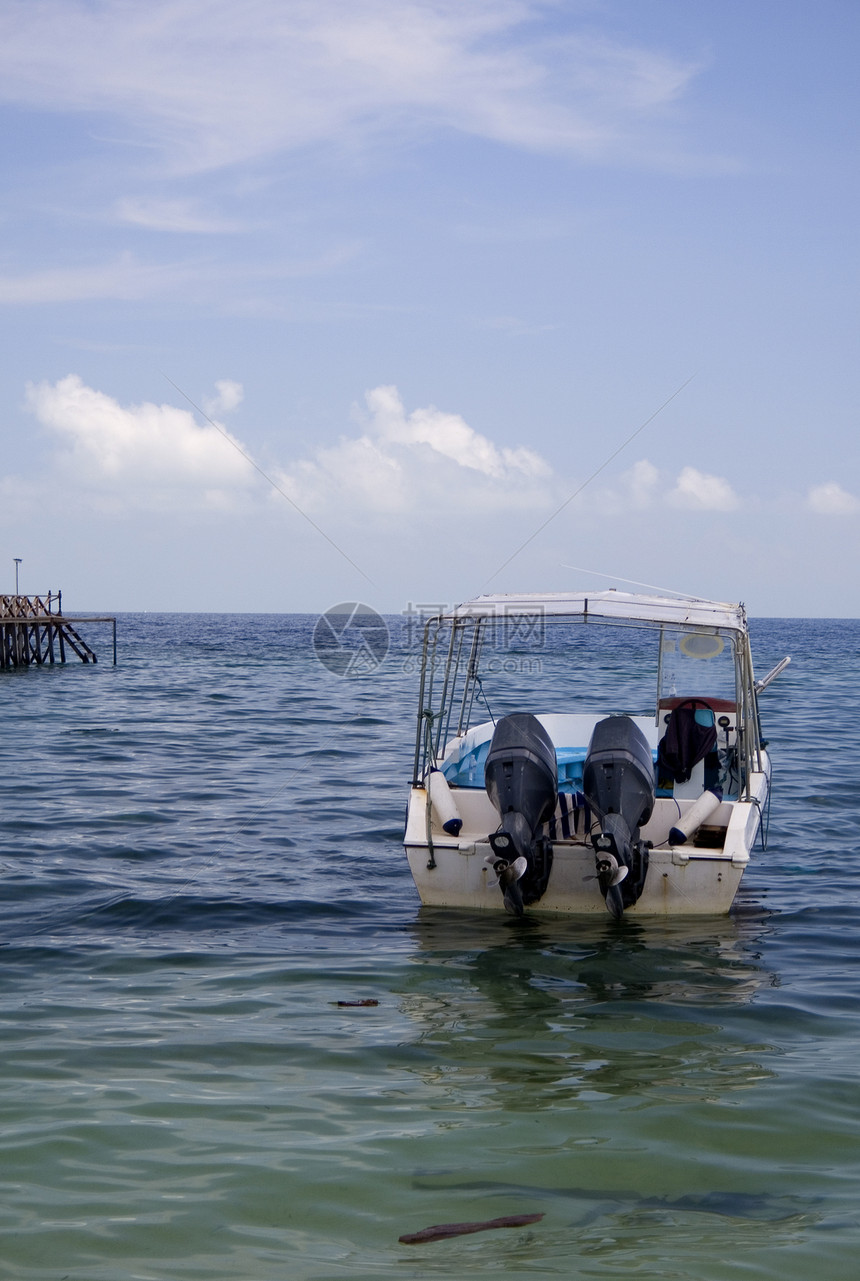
column 634, row 582
column 587, row 482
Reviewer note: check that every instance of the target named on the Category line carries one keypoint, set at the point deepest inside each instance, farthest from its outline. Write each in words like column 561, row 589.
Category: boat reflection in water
column 557, row 1010
column 605, row 1072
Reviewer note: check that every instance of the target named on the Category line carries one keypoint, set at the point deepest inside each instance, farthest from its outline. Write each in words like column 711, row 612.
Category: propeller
column 609, row 871
column 508, row 875
column 609, row 875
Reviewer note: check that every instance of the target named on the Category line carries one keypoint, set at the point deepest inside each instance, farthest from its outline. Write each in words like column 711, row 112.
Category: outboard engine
column 521, row 777
column 618, row 782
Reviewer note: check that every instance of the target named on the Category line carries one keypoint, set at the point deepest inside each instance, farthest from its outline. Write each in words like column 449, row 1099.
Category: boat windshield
column 696, row 664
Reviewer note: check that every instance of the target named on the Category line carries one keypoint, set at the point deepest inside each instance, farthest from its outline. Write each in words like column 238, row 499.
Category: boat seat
column 468, row 770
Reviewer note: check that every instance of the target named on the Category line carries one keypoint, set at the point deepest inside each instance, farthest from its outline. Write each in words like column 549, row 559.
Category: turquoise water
column 201, row 857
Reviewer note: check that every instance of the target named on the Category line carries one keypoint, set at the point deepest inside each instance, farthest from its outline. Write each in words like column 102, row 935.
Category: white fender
column 443, row 803
column 696, row 815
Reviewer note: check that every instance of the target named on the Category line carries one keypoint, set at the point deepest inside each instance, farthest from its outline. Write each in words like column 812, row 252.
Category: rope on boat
column 431, row 862
column 429, row 750
column 480, row 685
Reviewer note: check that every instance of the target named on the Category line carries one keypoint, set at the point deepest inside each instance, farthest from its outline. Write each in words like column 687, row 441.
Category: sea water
column 203, row 878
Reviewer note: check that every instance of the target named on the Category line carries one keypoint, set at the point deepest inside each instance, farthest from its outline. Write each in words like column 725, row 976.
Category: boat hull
column 682, row 880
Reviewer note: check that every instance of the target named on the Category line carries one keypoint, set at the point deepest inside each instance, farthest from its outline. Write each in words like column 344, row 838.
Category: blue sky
column 304, row 302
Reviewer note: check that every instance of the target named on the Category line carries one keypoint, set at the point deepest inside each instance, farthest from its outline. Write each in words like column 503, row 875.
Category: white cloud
column 172, row 215
column 428, row 462
column 128, row 279
column 354, row 475
column 449, row 435
column 643, row 483
column 229, row 395
column 123, row 278
column 209, row 82
column 831, row 499
column 428, row 457
column 151, row 455
column 696, row 489
column 156, row 457
column 646, row 486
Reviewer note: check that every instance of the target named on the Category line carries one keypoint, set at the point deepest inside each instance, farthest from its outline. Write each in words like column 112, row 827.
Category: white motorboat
column 595, row 803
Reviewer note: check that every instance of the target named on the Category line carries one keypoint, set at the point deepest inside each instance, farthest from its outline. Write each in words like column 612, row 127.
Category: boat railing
column 450, row 680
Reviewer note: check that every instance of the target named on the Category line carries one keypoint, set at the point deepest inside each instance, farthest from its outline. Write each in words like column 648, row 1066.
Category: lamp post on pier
column 17, row 560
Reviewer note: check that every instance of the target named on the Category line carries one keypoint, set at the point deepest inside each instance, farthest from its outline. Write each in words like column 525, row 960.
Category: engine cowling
column 618, row 782
column 521, row 778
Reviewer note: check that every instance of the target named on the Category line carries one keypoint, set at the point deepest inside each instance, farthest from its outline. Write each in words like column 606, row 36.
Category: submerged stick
column 443, row 1230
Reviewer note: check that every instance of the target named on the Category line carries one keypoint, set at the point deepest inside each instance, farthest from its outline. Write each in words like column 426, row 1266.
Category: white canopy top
column 682, row 611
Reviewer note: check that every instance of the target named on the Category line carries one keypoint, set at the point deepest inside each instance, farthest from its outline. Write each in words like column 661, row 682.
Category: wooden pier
column 34, row 631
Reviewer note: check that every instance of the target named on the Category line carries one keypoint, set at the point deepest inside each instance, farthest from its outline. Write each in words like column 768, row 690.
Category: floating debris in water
column 443, row 1230
column 366, row 1001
